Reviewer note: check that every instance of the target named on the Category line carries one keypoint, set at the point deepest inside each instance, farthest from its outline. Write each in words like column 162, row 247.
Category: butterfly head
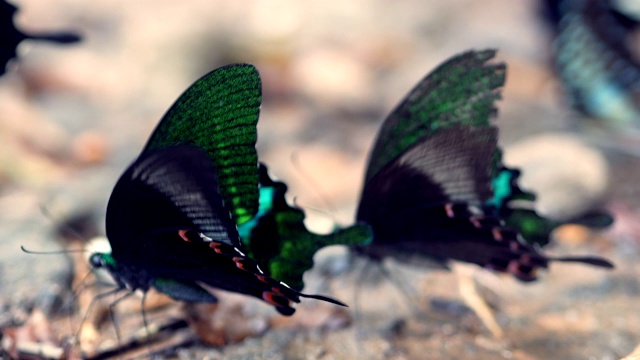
column 107, row 264
column 103, row 260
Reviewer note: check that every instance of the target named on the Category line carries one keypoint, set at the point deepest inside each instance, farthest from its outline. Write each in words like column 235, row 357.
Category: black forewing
column 169, row 189
column 454, row 165
column 167, row 220
column 422, row 204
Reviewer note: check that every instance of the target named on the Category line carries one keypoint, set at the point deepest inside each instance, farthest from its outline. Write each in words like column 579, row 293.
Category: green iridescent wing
column 517, row 208
column 462, row 91
column 219, row 114
column 279, row 241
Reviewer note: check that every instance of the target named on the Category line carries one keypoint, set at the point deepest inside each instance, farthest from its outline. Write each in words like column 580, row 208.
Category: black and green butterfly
column 430, row 186
column 272, row 232
column 172, row 218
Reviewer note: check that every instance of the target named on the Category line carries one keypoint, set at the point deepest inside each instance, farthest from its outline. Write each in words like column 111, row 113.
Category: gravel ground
column 71, row 119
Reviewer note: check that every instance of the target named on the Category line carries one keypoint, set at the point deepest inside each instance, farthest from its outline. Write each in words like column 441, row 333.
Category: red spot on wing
column 277, row 290
column 216, row 247
column 448, row 208
column 476, row 221
column 522, row 270
column 514, row 246
column 513, row 267
column 497, row 234
column 275, row 299
column 183, row 235
column 239, row 263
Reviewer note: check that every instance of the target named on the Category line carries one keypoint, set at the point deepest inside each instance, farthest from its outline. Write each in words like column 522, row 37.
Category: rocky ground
column 71, row 119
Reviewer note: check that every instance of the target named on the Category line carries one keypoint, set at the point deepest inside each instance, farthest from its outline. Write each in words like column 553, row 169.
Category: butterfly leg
column 471, row 297
column 147, row 334
column 112, row 314
column 360, row 331
column 88, row 330
column 405, row 288
column 360, row 280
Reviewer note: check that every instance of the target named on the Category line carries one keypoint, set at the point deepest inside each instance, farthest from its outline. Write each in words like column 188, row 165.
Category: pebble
column 567, row 176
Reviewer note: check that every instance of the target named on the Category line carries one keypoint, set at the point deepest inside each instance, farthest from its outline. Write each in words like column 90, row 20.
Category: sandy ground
column 71, row 119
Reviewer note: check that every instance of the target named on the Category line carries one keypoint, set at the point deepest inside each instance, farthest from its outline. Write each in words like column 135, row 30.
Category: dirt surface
column 72, row 118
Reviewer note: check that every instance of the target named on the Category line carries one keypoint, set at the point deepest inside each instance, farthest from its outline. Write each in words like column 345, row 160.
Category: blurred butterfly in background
column 595, row 60
column 173, row 215
column 11, row 36
column 435, row 185
column 431, row 174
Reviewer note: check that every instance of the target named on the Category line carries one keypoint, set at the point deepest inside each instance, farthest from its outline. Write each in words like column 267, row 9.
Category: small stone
column 567, row 176
column 90, row 148
column 333, row 78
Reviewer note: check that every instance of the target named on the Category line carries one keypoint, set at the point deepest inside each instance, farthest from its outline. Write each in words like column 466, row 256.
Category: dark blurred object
column 80, row 226
column 11, row 36
column 594, row 58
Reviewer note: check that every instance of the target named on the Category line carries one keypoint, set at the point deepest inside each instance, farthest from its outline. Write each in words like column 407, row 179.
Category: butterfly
column 272, row 232
column 278, row 239
column 429, row 182
column 11, row 36
column 172, row 217
column 593, row 58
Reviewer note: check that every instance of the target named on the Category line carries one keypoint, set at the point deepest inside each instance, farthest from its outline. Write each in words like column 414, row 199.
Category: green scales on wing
column 219, row 113
column 278, row 239
column 444, row 103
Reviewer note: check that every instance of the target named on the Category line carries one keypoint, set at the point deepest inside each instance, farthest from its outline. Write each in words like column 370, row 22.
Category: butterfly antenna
column 295, row 160
column 57, row 252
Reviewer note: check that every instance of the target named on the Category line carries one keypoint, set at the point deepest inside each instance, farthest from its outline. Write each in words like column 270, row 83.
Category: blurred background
column 72, row 117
